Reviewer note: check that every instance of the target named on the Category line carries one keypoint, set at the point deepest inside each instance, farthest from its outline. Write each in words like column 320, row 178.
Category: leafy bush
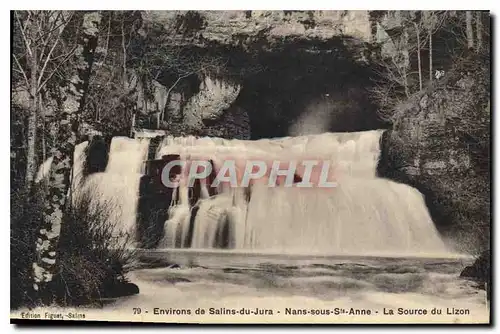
column 93, row 255
column 26, row 218
column 93, row 251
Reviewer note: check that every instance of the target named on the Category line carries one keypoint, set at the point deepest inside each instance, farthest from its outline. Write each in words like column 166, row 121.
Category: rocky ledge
column 245, row 28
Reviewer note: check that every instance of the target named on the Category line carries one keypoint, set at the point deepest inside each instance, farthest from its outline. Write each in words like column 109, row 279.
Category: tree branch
column 61, row 29
column 23, row 34
column 57, row 67
column 55, row 28
column 45, row 41
column 21, row 70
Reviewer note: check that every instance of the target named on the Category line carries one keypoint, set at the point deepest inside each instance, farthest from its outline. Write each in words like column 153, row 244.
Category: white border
column 183, row 5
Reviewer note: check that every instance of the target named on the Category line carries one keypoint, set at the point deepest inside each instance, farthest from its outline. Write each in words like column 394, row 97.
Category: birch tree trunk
column 430, row 55
column 32, row 119
column 41, row 32
column 479, row 31
column 406, row 62
column 418, row 56
column 132, row 127
column 45, row 265
column 469, row 31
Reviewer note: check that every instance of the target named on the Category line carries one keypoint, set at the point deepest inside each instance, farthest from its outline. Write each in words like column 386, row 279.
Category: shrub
column 94, row 252
column 25, row 222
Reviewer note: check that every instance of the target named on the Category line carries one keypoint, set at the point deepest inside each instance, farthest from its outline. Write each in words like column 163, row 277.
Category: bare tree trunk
column 418, row 56
column 406, row 63
column 42, row 135
column 32, row 120
column 45, row 266
column 124, row 57
column 479, row 31
column 469, row 31
column 132, row 127
column 430, row 56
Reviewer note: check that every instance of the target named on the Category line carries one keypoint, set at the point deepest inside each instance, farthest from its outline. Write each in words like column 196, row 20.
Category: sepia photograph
column 250, row 166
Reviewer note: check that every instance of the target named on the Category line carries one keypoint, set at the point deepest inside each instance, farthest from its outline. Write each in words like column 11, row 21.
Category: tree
column 393, row 67
column 430, row 53
column 138, row 63
column 112, row 94
column 469, row 29
column 37, row 58
column 160, row 57
column 417, row 32
column 433, row 21
column 45, row 266
column 479, row 31
column 398, row 78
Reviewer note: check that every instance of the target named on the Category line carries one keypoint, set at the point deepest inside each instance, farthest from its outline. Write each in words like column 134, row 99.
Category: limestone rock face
column 440, row 144
column 246, row 27
column 281, row 59
column 214, row 97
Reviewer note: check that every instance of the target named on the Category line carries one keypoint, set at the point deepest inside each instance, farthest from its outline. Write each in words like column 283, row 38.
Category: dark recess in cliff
column 282, row 81
column 302, row 76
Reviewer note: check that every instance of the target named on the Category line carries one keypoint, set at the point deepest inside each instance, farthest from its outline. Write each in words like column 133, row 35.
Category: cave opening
column 309, row 87
column 288, row 88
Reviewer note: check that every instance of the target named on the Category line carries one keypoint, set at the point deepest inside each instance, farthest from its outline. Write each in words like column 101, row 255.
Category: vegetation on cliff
column 440, row 143
column 46, row 44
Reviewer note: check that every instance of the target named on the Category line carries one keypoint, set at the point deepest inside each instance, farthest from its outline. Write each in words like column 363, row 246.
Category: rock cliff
column 440, row 143
column 276, row 65
column 264, row 28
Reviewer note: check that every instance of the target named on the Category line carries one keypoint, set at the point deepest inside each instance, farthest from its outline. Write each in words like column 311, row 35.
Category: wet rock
column 97, row 155
column 121, row 289
column 480, row 269
column 480, row 272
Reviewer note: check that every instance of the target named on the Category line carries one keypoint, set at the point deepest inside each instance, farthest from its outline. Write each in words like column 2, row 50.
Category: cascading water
column 363, row 214
column 118, row 186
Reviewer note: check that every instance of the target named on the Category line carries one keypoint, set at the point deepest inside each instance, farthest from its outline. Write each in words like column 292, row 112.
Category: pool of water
column 201, row 286
column 239, row 287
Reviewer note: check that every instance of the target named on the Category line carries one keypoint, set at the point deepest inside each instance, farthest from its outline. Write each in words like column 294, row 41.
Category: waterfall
column 363, row 214
column 118, row 186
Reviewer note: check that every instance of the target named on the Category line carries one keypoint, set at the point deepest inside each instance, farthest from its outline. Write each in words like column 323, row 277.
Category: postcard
column 256, row 167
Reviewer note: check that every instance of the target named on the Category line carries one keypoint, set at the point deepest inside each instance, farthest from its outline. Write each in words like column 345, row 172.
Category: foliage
column 26, row 218
column 94, row 254
column 111, row 97
column 426, row 42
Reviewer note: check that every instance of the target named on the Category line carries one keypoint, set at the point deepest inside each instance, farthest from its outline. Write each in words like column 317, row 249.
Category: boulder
column 119, row 289
column 480, row 272
column 480, row 269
